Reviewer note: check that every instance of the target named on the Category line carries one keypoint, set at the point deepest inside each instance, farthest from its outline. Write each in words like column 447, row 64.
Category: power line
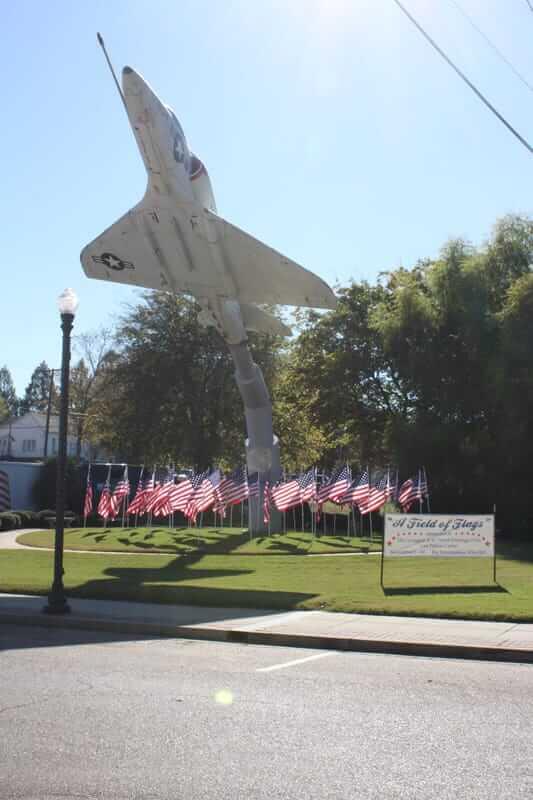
column 491, row 44
column 464, row 78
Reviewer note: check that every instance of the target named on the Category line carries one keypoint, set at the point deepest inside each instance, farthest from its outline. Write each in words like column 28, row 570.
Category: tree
column 86, row 380
column 170, row 394
column 433, row 366
column 341, row 380
column 7, row 391
column 4, row 410
column 40, row 390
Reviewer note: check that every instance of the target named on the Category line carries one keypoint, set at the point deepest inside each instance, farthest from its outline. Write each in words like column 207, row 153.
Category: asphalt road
column 89, row 715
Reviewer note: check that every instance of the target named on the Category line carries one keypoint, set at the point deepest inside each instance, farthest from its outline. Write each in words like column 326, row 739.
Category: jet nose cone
column 132, row 82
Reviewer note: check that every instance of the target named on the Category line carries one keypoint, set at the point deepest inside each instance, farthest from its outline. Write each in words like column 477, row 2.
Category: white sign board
column 439, row 535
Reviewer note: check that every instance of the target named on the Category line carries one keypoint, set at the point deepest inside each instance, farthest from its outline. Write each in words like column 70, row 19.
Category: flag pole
column 125, row 499
column 140, row 483
column 370, row 513
column 259, row 502
column 494, row 545
column 427, row 490
column 86, row 488
column 382, row 561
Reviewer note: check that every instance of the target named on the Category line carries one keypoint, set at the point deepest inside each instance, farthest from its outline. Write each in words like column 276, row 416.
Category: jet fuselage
column 172, row 168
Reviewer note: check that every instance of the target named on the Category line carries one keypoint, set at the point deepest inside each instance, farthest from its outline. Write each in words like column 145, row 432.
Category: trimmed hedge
column 9, row 521
column 12, row 520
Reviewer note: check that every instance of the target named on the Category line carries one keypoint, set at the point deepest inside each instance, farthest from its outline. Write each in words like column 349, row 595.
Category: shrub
column 42, row 515
column 9, row 521
column 28, row 519
column 46, row 518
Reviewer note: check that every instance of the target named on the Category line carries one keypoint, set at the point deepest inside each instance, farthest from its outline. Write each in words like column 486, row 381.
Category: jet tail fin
column 255, row 319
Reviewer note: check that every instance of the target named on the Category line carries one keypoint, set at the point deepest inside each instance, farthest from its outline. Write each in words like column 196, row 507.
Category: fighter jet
column 174, row 240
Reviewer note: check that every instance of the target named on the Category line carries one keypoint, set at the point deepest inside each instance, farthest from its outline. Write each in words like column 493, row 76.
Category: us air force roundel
column 179, row 148
column 113, row 262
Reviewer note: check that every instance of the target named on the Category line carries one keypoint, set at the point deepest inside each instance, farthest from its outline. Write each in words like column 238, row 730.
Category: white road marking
column 298, row 661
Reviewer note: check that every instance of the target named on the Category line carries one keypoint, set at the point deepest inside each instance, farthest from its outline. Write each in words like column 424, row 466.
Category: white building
column 24, row 437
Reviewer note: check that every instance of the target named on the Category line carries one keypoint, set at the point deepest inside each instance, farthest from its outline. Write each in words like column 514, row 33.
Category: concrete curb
column 206, row 633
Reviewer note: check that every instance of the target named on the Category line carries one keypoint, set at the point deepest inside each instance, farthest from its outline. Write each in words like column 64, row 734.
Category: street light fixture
column 57, row 601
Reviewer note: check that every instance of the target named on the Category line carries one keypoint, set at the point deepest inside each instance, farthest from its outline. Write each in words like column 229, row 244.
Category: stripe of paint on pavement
column 298, row 661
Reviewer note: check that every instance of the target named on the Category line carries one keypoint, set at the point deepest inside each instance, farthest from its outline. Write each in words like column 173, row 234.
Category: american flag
column 196, row 481
column 180, row 494
column 162, row 507
column 88, row 502
column 377, row 496
column 233, row 488
column 408, row 493
column 322, row 490
column 392, row 487
column 207, row 496
column 266, row 503
column 286, row 494
column 148, row 490
column 423, row 490
column 122, row 490
column 339, row 484
column 307, row 483
column 414, row 488
column 334, row 487
column 358, row 491
column 136, row 504
column 105, row 508
column 152, row 498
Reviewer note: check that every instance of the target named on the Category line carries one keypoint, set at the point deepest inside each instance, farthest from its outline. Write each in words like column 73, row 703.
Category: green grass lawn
column 207, row 540
column 432, row 587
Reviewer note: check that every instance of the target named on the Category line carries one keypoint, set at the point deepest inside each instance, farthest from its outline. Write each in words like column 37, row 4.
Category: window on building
column 54, row 445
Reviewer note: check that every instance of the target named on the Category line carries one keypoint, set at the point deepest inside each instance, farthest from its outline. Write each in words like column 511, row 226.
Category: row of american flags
column 213, row 491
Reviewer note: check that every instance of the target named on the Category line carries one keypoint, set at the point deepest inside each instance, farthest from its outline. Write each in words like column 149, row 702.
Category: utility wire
column 464, row 78
column 491, row 44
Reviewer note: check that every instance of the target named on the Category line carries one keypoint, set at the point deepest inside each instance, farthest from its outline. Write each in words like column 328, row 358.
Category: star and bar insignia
column 179, row 148
column 113, row 262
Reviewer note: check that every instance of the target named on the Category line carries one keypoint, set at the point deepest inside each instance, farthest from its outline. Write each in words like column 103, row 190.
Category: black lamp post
column 57, row 602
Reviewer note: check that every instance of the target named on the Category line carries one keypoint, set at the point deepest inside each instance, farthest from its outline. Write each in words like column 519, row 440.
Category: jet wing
column 120, row 254
column 262, row 275
column 180, row 248
column 158, row 248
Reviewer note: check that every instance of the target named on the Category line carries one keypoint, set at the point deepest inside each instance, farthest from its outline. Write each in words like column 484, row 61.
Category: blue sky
column 330, row 129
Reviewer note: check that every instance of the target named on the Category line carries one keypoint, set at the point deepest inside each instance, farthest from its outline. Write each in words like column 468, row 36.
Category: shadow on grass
column 98, row 537
column 392, row 591
column 164, row 585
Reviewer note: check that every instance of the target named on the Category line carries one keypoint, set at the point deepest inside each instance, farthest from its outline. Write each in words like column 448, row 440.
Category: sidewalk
column 498, row 641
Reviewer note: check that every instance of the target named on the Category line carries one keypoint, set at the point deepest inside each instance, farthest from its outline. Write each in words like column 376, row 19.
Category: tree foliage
column 170, row 394
column 39, row 390
column 434, row 366
column 4, row 410
column 87, row 382
column 7, row 391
